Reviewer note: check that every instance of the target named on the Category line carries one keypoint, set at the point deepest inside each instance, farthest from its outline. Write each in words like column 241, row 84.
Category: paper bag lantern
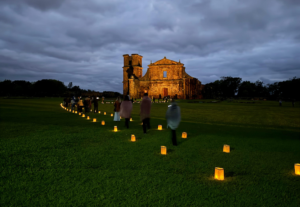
column 79, row 114
column 94, row 119
column 297, row 168
column 111, row 115
column 219, row 173
column 132, row 138
column 184, row 135
column 70, row 110
column 88, row 118
column 130, row 119
column 226, row 148
column 75, row 112
column 99, row 112
column 163, row 150
column 159, row 127
column 104, row 113
column 115, row 128
column 103, row 122
column 83, row 115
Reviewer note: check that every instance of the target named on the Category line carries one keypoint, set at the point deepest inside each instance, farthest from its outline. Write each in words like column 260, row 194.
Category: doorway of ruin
column 165, row 92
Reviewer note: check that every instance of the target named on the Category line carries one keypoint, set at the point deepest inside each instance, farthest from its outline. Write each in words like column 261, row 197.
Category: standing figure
column 102, row 99
column 80, row 104
column 173, row 117
column 117, row 105
column 96, row 104
column 125, row 110
column 280, row 102
column 153, row 99
column 73, row 103
column 87, row 104
column 145, row 112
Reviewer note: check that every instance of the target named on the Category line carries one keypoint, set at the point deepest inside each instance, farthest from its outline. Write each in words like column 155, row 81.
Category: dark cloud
column 83, row 41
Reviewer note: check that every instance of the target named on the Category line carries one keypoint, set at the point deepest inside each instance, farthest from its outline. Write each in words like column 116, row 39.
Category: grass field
column 51, row 157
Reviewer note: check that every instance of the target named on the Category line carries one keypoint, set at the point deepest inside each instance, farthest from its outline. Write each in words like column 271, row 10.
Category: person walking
column 96, row 104
column 145, row 112
column 173, row 117
column 125, row 110
column 117, row 105
column 80, row 104
column 73, row 103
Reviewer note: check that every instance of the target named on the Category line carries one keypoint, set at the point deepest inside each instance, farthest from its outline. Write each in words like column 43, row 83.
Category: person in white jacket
column 173, row 117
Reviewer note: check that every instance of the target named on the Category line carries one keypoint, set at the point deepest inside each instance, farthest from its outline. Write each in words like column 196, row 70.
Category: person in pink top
column 145, row 112
column 125, row 110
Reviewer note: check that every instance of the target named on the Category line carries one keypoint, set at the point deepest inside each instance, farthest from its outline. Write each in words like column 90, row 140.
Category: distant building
column 163, row 78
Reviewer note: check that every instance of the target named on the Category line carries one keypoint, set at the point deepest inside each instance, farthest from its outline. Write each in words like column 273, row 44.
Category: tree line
column 47, row 87
column 234, row 87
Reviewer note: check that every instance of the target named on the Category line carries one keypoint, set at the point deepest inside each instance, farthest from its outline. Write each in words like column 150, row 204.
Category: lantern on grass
column 130, row 119
column 132, row 138
column 297, row 168
column 79, row 113
column 88, row 118
column 226, row 148
column 94, row 119
column 75, row 112
column 163, row 150
column 103, row 122
column 104, row 113
column 111, row 115
column 83, row 115
column 99, row 112
column 115, row 128
column 219, row 173
column 184, row 135
column 70, row 110
column 159, row 127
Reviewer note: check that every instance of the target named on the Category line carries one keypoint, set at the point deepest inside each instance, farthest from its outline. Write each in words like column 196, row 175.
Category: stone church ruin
column 163, row 78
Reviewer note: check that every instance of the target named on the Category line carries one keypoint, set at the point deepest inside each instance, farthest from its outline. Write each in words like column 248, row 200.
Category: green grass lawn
column 51, row 157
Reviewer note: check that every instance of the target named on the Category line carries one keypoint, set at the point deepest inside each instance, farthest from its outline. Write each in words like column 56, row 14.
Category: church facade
column 163, row 78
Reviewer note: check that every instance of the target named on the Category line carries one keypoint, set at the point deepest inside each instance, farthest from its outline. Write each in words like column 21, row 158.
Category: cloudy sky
column 84, row 41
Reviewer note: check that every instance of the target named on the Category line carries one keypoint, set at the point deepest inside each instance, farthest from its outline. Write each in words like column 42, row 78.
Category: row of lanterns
column 219, row 172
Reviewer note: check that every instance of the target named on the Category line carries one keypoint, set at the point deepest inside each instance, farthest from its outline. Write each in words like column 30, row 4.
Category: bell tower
column 132, row 68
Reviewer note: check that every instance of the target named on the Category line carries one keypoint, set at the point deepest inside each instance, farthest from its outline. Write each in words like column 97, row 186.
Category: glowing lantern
column 91, row 110
column 83, row 115
column 94, row 119
column 226, row 148
column 297, row 168
column 111, row 115
column 159, row 127
column 104, row 113
column 115, row 128
column 75, row 112
column 219, row 173
column 88, row 118
column 79, row 113
column 70, row 110
column 163, row 150
column 184, row 135
column 130, row 119
column 103, row 122
column 132, row 138
column 99, row 112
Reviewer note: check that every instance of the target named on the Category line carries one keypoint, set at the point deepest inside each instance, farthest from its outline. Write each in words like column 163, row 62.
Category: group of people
column 124, row 109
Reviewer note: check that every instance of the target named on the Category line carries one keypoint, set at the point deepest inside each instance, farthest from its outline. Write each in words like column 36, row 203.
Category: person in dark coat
column 95, row 104
column 145, row 112
column 173, row 117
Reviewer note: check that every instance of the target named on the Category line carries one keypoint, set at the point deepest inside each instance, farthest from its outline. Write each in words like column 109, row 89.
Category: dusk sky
column 83, row 41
